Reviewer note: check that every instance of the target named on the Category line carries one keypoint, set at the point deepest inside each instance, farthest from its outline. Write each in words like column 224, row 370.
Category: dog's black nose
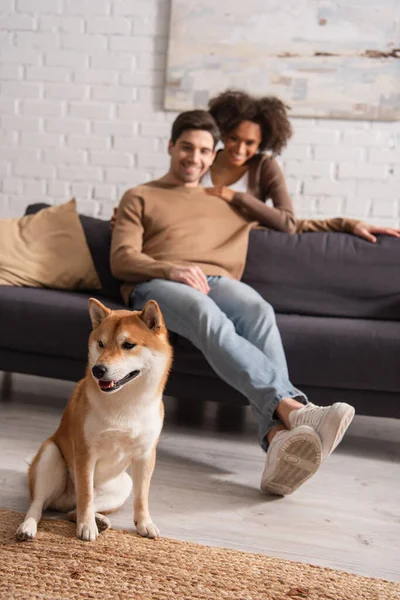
column 99, row 371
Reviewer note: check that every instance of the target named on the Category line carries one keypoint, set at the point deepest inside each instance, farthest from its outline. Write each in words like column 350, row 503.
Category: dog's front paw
column 26, row 531
column 146, row 528
column 87, row 531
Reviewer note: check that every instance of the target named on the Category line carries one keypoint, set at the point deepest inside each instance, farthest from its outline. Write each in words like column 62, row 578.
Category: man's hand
column 192, row 276
column 221, row 191
column 366, row 231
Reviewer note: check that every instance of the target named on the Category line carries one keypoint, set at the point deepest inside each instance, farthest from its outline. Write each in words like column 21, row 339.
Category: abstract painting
column 324, row 58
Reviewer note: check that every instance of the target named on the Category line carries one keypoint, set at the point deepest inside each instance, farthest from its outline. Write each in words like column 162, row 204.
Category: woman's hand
column 221, row 191
column 366, row 231
column 113, row 218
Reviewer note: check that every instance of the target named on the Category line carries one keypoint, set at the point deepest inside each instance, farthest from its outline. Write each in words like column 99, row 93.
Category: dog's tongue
column 105, row 384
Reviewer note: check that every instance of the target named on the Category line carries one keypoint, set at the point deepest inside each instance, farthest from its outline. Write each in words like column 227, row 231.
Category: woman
column 242, row 172
column 254, row 131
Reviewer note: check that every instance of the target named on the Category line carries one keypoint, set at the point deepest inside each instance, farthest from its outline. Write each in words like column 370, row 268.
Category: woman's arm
column 269, row 184
column 334, row 224
column 353, row 226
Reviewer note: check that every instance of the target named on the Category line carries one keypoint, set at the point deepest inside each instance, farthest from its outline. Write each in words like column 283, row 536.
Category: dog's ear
column 151, row 315
column 97, row 312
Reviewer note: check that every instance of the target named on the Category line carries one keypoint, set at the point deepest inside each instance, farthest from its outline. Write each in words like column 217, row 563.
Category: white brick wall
column 81, row 114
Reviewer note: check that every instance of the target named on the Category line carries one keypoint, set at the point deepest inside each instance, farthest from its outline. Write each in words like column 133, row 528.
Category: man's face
column 191, row 156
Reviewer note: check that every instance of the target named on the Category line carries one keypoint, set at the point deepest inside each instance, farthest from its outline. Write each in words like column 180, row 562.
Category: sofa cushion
column 329, row 274
column 47, row 249
column 321, row 351
column 98, row 237
column 46, row 322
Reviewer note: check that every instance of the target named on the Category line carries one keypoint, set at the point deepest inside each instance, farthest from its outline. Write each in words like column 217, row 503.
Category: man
column 186, row 249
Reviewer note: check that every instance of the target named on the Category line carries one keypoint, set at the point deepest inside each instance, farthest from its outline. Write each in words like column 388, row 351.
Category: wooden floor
column 205, row 486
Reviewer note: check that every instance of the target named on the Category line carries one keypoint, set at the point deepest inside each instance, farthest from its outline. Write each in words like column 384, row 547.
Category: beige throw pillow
column 47, row 249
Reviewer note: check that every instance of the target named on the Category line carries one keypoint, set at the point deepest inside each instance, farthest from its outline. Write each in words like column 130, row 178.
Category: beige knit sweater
column 160, row 226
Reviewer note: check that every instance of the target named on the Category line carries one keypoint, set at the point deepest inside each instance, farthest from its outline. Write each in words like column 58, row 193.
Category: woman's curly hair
column 232, row 107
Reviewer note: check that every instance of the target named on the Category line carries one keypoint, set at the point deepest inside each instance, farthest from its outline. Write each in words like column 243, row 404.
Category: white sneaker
column 329, row 422
column 293, row 457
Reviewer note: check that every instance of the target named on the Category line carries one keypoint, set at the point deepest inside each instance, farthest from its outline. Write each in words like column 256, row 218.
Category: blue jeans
column 235, row 329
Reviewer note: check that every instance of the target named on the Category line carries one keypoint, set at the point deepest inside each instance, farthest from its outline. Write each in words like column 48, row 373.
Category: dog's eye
column 128, row 346
column 101, row 345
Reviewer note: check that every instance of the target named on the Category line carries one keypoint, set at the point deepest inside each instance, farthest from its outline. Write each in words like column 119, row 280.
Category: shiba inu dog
column 113, row 420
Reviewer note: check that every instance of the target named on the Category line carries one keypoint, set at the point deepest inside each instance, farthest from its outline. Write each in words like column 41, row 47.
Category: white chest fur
column 118, row 433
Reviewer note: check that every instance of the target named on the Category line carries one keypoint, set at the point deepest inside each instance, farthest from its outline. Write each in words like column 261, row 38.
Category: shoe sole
column 298, row 459
column 334, row 426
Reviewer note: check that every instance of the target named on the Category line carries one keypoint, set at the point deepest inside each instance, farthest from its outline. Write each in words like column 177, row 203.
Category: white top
column 241, row 185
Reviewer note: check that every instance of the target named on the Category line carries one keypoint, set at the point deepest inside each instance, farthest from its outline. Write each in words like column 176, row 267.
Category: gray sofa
column 337, row 300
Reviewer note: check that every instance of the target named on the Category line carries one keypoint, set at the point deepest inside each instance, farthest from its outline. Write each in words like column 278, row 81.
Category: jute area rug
column 121, row 565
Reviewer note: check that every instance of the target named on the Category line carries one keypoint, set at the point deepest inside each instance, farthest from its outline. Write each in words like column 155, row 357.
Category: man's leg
column 254, row 319
column 293, row 456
